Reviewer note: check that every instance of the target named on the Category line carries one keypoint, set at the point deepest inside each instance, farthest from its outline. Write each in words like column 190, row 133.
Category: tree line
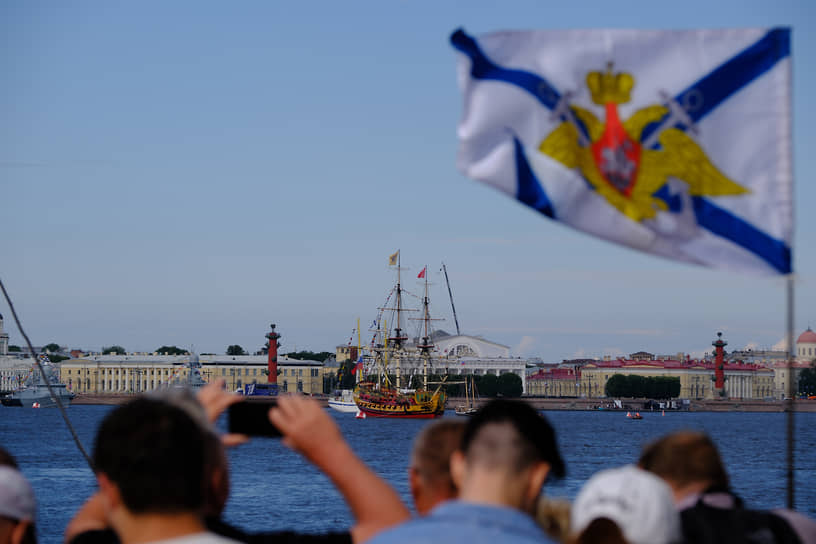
column 633, row 386
column 807, row 381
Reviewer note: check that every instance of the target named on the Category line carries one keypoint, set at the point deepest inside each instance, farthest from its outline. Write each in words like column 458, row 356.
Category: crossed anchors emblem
column 621, row 168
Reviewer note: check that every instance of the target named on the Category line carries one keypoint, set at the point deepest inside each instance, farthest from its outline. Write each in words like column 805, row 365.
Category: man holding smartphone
column 305, row 427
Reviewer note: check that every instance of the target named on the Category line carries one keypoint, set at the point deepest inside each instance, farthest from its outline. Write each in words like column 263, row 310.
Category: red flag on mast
column 422, row 274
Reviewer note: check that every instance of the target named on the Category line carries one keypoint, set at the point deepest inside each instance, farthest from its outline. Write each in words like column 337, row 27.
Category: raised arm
column 308, row 429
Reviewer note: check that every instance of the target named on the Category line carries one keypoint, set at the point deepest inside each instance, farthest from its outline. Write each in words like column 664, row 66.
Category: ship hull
column 374, row 412
column 389, row 403
column 343, row 401
column 37, row 395
column 343, row 406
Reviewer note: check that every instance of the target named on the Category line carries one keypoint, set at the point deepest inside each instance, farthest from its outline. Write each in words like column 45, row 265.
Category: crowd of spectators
column 163, row 478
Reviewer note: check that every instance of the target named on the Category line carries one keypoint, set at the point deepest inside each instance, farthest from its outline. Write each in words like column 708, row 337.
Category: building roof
column 674, row 363
column 807, row 337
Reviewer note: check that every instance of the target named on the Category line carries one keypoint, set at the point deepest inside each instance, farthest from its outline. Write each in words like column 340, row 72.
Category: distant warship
column 34, row 392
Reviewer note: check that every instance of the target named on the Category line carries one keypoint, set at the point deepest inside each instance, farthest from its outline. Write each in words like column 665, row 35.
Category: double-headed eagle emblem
column 622, row 168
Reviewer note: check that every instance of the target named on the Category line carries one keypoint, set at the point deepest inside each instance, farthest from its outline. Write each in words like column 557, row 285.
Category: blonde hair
column 432, row 451
column 553, row 515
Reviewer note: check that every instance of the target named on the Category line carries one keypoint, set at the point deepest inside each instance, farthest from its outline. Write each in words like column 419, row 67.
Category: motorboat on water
column 343, row 401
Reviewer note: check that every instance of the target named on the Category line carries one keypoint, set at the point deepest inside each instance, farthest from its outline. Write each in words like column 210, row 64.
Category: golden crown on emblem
column 608, row 87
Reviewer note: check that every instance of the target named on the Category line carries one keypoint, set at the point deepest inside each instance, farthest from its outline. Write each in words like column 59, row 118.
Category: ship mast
column 450, row 294
column 359, row 353
column 398, row 338
column 426, row 345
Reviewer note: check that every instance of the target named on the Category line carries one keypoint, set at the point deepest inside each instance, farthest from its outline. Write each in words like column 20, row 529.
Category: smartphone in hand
column 251, row 418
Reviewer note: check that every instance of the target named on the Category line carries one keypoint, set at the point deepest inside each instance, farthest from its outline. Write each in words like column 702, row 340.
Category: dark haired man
column 710, row 512
column 307, row 428
column 506, row 454
column 149, row 460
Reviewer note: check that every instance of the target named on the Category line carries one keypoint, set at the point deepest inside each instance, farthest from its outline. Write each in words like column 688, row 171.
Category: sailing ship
column 34, row 391
column 384, row 399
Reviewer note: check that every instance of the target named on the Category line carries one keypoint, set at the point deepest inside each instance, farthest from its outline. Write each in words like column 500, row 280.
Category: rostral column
column 272, row 356
column 719, row 365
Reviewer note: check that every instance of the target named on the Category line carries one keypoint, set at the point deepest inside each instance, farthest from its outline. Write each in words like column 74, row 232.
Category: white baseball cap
column 16, row 495
column 639, row 502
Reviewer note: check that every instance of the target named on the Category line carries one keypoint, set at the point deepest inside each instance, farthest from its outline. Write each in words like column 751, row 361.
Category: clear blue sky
column 189, row 172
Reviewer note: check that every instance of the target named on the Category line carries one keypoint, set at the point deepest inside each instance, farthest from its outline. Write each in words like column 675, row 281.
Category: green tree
column 807, row 381
column 51, row 348
column 488, row 385
column 116, row 350
column 172, row 350
column 14, row 349
column 617, row 386
column 310, row 355
column 634, row 386
column 235, row 349
column 57, row 358
column 509, row 385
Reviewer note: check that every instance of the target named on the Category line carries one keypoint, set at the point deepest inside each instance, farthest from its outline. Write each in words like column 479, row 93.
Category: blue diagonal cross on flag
column 676, row 143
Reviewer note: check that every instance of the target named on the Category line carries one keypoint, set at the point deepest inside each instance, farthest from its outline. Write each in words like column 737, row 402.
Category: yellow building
column 109, row 374
column 742, row 381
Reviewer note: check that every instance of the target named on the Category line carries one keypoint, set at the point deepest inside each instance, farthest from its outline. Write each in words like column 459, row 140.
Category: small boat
column 467, row 409
column 343, row 401
column 636, row 415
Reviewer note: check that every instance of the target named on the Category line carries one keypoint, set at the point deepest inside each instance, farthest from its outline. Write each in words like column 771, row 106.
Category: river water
column 273, row 488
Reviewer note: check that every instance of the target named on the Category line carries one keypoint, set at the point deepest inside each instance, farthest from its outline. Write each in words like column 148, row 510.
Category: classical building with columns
column 806, row 346
column 742, row 381
column 749, row 374
column 110, row 374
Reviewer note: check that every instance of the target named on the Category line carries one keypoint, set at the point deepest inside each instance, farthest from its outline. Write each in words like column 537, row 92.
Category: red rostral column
column 719, row 362
column 272, row 355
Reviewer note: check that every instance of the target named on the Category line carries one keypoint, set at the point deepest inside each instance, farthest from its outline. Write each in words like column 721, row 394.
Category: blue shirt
column 455, row 522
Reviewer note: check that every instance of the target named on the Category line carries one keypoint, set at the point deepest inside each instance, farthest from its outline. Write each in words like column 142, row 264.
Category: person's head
column 553, row 515
column 688, row 461
column 599, row 531
column 507, row 452
column 7, row 459
column 429, row 473
column 149, row 458
column 17, row 506
column 216, row 475
column 632, row 500
column 216, row 469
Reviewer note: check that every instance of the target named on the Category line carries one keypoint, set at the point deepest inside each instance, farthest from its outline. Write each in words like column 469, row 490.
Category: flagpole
column 790, row 393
